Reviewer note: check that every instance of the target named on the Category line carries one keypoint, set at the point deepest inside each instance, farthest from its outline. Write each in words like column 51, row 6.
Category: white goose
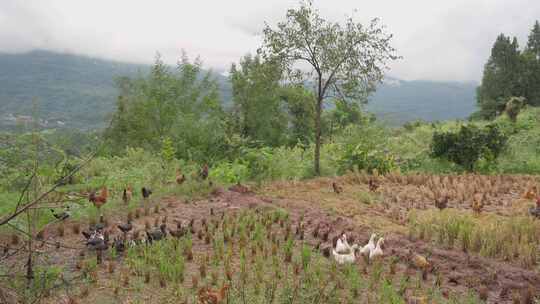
column 370, row 246
column 377, row 252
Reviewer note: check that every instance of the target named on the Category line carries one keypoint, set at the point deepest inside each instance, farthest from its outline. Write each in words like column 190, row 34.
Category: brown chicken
column 418, row 261
column 337, row 188
column 209, row 296
column 531, row 193
column 204, row 172
column 373, row 185
column 127, row 195
column 441, row 202
column 99, row 200
column 477, row 203
column 180, row 178
column 239, row 188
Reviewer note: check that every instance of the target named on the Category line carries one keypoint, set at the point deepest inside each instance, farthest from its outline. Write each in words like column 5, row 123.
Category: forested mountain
column 398, row 101
column 78, row 91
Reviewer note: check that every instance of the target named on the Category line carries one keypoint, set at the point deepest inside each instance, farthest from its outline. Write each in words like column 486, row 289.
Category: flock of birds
column 344, row 253
column 97, row 236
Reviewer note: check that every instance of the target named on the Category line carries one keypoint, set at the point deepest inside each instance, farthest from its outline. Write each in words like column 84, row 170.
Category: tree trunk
column 318, row 136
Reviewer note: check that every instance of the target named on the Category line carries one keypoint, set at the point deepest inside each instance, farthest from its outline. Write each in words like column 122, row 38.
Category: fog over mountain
column 439, row 40
column 78, row 91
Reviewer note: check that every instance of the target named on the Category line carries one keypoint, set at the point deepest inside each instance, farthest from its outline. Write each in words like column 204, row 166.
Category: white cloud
column 441, row 40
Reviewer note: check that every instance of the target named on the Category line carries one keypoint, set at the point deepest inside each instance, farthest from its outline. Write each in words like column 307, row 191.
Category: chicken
column 535, row 211
column 180, row 178
column 204, row 172
column 96, row 240
column 127, row 195
column 125, row 228
column 179, row 232
column 441, row 202
column 157, row 234
column 531, row 193
column 373, row 185
column 119, row 245
column 239, row 188
column 99, row 200
column 209, row 296
column 477, row 203
column 418, row 261
column 146, row 192
column 337, row 188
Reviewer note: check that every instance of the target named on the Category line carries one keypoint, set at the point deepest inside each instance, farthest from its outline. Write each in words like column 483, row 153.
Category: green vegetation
column 469, row 144
column 170, row 122
column 513, row 238
column 509, row 73
column 346, row 60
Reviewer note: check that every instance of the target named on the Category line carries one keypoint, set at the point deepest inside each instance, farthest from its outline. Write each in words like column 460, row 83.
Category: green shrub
column 468, row 145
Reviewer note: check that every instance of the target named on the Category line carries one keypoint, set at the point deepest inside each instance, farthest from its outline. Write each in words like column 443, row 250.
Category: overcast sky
column 439, row 40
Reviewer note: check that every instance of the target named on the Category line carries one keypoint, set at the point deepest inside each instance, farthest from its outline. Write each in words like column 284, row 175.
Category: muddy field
column 359, row 211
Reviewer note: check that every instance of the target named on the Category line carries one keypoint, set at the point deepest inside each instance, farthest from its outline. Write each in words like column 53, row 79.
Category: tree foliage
column 266, row 110
column 510, row 72
column 466, row 146
column 181, row 104
column 257, row 104
column 501, row 77
column 344, row 60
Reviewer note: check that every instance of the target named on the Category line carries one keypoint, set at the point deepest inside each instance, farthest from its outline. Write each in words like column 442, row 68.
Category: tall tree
column 257, row 104
column 179, row 104
column 533, row 44
column 338, row 59
column 501, row 78
column 531, row 67
column 298, row 102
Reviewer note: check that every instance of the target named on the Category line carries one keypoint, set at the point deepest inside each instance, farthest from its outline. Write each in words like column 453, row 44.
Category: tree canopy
column 510, row 72
column 181, row 105
column 344, row 60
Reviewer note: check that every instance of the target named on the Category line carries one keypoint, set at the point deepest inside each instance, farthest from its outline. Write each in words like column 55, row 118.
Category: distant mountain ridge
column 75, row 91
column 398, row 101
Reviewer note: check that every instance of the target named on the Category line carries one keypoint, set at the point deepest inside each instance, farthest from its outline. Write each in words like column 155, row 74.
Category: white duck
column 377, row 252
column 370, row 246
column 342, row 258
column 342, row 246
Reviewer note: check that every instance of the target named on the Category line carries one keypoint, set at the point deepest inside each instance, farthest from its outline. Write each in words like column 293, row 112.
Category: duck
column 377, row 252
column 366, row 250
column 342, row 258
column 342, row 246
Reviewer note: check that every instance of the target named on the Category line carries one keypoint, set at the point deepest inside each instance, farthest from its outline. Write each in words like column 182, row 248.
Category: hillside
column 398, row 101
column 78, row 91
